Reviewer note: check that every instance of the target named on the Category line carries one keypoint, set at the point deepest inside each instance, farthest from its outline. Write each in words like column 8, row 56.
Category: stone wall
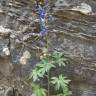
column 72, row 32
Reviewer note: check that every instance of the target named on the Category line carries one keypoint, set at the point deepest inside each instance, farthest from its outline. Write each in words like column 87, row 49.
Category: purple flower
column 42, row 14
column 43, row 31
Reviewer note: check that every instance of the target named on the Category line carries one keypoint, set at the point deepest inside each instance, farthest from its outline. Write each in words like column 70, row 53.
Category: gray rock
column 83, row 8
column 61, row 3
column 72, row 33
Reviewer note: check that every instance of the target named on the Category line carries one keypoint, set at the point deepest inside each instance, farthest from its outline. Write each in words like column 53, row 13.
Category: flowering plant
column 42, row 12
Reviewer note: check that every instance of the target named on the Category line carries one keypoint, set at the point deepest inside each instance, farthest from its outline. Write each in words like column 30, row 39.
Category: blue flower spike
column 42, row 11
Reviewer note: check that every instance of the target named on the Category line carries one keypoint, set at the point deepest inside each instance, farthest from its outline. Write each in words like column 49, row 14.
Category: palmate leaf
column 41, row 68
column 35, row 75
column 60, row 62
column 59, row 59
column 60, row 82
column 66, row 92
column 45, row 66
column 38, row 91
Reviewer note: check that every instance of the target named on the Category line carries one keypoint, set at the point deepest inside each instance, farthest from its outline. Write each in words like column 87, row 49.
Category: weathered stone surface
column 75, row 35
column 72, row 32
column 5, row 63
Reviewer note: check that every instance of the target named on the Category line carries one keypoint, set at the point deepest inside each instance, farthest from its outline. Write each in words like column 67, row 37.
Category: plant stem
column 48, row 83
column 48, row 73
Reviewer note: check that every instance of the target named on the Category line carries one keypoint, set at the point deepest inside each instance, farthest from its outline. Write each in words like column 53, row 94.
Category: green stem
column 48, row 77
column 48, row 83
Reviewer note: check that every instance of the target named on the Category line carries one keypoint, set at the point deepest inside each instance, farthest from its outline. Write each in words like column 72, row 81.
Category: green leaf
column 38, row 91
column 60, row 82
column 59, row 59
column 66, row 92
column 41, row 70
column 45, row 66
column 35, row 75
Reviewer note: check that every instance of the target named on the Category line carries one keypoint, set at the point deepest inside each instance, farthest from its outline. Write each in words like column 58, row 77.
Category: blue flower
column 43, row 31
column 42, row 14
column 37, row 6
column 42, row 25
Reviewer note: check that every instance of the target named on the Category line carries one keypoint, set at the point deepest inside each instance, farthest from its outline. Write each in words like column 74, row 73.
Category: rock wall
column 72, row 32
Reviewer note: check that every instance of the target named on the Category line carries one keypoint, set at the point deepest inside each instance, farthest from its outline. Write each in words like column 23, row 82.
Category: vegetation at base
column 60, row 84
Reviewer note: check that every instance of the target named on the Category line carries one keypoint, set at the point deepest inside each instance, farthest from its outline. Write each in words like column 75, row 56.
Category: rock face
column 72, row 32
column 5, row 64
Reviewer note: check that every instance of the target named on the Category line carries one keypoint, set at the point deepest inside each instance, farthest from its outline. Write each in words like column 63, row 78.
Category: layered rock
column 72, row 32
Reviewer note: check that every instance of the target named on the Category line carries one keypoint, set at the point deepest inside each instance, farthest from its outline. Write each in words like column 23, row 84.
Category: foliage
column 58, row 58
column 60, row 82
column 38, row 91
column 43, row 69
